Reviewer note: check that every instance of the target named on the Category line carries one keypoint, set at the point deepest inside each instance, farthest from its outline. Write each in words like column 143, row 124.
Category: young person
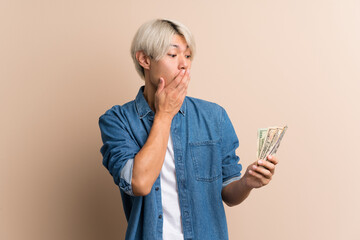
column 173, row 156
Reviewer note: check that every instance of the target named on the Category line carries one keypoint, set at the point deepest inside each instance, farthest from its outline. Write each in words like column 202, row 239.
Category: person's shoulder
column 119, row 111
column 202, row 104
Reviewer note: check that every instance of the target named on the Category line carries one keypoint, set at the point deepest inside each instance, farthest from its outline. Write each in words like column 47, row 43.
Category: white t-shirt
column 172, row 226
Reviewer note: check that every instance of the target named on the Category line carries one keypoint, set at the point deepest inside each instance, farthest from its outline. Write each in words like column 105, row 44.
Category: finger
column 161, row 85
column 266, row 164
column 184, row 86
column 177, row 79
column 182, row 94
column 272, row 159
column 255, row 174
column 188, row 80
column 263, row 171
column 259, row 178
column 184, row 81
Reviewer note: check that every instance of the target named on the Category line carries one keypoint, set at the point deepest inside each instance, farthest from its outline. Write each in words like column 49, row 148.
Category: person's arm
column 149, row 160
column 257, row 175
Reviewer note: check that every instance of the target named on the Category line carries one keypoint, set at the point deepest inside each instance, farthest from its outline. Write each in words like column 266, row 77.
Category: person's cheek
column 169, row 77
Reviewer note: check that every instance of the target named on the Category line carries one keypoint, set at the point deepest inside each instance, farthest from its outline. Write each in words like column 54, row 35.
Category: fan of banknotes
column 269, row 140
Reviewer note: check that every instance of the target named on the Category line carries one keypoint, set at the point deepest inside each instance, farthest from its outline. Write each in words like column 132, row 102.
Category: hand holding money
column 260, row 173
column 269, row 141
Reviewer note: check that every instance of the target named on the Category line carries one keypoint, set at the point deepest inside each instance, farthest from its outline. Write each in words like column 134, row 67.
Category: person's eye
column 188, row 56
column 172, row 55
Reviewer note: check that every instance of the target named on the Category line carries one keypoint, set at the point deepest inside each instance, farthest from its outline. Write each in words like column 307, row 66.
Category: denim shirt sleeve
column 118, row 150
column 230, row 161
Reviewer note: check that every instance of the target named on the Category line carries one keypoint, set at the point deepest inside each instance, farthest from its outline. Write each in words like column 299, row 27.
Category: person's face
column 178, row 57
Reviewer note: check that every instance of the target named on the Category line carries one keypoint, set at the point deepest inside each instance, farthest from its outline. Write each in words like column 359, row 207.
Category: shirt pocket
column 206, row 159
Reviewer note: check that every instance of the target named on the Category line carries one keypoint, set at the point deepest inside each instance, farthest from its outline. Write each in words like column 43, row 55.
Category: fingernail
column 269, row 157
column 260, row 162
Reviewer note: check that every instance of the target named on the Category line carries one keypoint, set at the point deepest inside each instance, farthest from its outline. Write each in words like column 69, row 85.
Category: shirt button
column 157, row 189
column 160, row 216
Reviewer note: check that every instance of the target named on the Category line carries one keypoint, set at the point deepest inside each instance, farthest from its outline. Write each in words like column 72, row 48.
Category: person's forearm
column 149, row 160
column 236, row 192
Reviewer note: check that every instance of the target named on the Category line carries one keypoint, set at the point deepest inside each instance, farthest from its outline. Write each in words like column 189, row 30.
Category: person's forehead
column 179, row 42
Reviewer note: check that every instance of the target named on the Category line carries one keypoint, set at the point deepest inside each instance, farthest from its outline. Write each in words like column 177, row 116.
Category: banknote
column 271, row 134
column 262, row 132
column 276, row 146
column 269, row 140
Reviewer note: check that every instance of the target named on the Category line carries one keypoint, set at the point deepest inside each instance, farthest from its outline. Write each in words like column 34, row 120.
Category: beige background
column 63, row 63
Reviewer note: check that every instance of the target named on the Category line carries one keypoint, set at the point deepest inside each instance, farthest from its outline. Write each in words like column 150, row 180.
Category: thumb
column 161, row 85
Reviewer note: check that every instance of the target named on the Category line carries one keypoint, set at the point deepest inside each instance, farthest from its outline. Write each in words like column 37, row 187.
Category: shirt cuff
column 227, row 182
column 126, row 176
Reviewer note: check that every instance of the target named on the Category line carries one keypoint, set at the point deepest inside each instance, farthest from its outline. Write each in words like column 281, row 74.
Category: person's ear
column 143, row 59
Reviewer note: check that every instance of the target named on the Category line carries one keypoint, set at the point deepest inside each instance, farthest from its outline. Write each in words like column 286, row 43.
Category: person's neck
column 149, row 95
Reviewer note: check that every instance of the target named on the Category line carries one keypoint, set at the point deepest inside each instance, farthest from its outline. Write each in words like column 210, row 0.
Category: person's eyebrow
column 177, row 46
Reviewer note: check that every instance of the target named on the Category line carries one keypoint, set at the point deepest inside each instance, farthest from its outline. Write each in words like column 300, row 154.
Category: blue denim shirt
column 205, row 161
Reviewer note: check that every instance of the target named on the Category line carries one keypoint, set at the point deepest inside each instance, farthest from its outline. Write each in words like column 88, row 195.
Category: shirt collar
column 143, row 108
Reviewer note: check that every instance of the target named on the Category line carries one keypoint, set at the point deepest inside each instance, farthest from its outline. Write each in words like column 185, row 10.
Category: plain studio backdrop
column 268, row 63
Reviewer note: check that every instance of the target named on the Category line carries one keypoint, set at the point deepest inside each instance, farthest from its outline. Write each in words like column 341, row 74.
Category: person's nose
column 183, row 63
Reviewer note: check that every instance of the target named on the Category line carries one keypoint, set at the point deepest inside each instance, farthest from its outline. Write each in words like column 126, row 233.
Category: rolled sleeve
column 227, row 182
column 231, row 168
column 118, row 150
column 126, row 176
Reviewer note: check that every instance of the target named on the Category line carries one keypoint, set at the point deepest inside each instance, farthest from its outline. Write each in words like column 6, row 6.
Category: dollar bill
column 262, row 132
column 276, row 146
column 269, row 140
column 267, row 143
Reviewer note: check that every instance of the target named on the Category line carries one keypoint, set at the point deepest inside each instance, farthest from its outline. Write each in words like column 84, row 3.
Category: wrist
column 245, row 184
column 163, row 117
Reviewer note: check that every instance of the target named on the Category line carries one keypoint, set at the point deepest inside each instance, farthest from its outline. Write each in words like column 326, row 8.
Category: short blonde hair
column 154, row 38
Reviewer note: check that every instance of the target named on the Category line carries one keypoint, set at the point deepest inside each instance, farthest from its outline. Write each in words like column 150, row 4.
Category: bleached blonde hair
column 154, row 38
